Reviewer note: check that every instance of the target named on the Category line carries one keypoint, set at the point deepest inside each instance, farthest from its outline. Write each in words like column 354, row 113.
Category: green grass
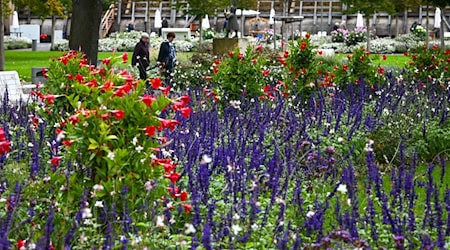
column 23, row 61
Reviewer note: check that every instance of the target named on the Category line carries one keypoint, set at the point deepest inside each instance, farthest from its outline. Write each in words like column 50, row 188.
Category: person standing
column 167, row 58
column 164, row 24
column 141, row 56
column 232, row 24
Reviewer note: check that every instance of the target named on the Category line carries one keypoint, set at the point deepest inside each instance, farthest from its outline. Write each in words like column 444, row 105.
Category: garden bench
column 9, row 80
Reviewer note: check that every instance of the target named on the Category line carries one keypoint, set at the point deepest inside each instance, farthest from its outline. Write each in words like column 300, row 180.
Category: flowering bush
column 240, row 74
column 12, row 42
column 111, row 132
column 339, row 35
column 429, row 66
column 125, row 42
column 360, row 65
column 420, row 32
column 301, row 63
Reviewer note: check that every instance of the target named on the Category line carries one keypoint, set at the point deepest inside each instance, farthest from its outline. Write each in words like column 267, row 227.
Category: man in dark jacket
column 167, row 58
column 141, row 56
column 232, row 24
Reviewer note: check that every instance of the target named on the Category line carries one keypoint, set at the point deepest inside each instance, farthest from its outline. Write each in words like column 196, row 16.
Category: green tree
column 84, row 30
column 368, row 8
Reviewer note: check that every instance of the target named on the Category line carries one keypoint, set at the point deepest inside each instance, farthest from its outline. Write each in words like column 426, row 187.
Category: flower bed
column 357, row 160
column 12, row 42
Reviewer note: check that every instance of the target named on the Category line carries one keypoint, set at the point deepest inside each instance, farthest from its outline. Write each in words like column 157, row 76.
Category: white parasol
column 271, row 16
column 15, row 22
column 359, row 21
column 437, row 18
column 205, row 23
column 158, row 21
column 247, row 12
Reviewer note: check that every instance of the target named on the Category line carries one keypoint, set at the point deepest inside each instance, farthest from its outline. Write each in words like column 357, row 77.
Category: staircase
column 107, row 21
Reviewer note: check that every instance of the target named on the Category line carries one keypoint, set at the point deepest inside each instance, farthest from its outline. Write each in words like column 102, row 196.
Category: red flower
column 185, row 112
column 259, row 48
column 79, row 78
column 106, row 61
column 55, row 160
column 307, row 36
column 405, row 53
column 384, row 57
column 74, row 119
column 185, row 99
column 150, row 130
column 183, row 196
column 173, row 177
column 92, row 83
column 217, row 62
column 266, row 72
column 156, row 83
column 2, row 134
column 125, row 57
column 216, row 70
column 349, row 56
column 64, row 60
column 119, row 114
column 148, row 100
column 165, row 90
column 5, row 147
column 345, row 67
column 49, row 98
column 21, row 244
column 119, row 93
column 208, row 78
column 187, row 208
column 170, row 124
column 69, row 77
column 67, row 143
column 107, row 86
column 231, row 53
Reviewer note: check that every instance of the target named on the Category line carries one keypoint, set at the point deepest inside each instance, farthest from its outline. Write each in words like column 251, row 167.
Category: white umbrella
column 205, row 23
column 15, row 22
column 158, row 21
column 271, row 16
column 359, row 21
column 437, row 18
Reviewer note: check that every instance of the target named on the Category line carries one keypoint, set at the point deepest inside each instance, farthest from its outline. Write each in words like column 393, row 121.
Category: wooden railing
column 107, row 21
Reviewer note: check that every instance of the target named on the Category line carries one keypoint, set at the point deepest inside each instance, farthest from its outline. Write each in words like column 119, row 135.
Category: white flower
column 60, row 136
column 310, row 214
column 342, row 188
column 190, row 229
column 98, row 204
column 134, row 141
column 236, row 217
column 254, row 227
column 236, row 229
column 86, row 213
column 98, row 187
column 31, row 246
column 46, row 179
column 206, row 159
column 139, row 149
column 57, row 125
column 159, row 221
column 340, row 139
column 148, row 186
column 111, row 156
column 83, row 238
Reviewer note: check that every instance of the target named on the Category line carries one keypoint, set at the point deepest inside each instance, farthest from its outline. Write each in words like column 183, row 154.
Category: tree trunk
column 427, row 40
column 53, row 32
column 441, row 30
column 84, row 30
column 368, row 32
column 2, row 33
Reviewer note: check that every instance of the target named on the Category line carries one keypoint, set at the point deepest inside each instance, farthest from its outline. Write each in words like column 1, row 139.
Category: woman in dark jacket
column 167, row 58
column 141, row 56
column 232, row 24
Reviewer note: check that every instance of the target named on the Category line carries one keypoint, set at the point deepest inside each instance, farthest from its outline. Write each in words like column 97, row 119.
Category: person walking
column 232, row 24
column 167, row 58
column 141, row 56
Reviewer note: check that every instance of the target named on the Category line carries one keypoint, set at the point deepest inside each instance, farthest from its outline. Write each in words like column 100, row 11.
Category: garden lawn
column 23, row 61
column 393, row 60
